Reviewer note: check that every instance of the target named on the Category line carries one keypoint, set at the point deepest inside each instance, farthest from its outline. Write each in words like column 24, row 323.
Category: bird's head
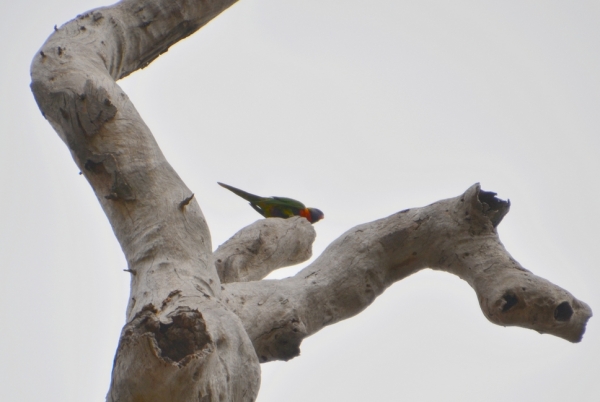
column 315, row 215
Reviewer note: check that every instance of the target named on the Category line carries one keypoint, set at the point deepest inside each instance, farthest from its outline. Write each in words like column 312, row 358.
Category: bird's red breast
column 305, row 213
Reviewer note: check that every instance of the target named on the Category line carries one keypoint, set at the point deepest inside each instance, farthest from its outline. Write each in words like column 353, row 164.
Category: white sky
column 360, row 109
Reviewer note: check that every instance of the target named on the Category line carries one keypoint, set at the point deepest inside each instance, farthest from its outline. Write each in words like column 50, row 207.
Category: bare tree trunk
column 197, row 326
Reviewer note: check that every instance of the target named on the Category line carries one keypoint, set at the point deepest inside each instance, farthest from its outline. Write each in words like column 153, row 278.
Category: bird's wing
column 288, row 202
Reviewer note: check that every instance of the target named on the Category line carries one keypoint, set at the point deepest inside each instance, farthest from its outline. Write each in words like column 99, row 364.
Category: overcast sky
column 361, row 109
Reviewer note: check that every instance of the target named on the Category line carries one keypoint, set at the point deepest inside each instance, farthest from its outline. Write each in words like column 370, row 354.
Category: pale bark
column 457, row 235
column 260, row 248
column 189, row 337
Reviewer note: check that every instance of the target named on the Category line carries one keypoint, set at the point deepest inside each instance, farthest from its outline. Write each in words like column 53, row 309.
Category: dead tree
column 200, row 323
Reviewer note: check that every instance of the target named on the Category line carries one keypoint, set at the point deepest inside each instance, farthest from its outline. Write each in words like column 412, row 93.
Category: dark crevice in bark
column 510, row 300
column 494, row 208
column 281, row 343
column 179, row 340
column 563, row 312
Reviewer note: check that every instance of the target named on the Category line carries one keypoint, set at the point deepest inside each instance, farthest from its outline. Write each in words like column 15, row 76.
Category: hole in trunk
column 563, row 312
column 509, row 301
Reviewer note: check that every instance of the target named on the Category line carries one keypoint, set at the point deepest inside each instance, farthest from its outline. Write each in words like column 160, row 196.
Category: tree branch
column 457, row 235
column 262, row 247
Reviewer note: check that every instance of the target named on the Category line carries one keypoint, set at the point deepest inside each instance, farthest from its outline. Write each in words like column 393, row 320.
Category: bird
column 277, row 207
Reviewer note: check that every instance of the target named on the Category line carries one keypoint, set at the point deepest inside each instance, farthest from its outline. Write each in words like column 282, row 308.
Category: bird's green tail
column 247, row 196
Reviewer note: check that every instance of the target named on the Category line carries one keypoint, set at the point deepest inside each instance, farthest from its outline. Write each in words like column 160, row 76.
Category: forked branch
column 457, row 235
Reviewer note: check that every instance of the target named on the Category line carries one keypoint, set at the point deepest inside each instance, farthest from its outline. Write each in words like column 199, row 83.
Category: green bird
column 277, row 207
